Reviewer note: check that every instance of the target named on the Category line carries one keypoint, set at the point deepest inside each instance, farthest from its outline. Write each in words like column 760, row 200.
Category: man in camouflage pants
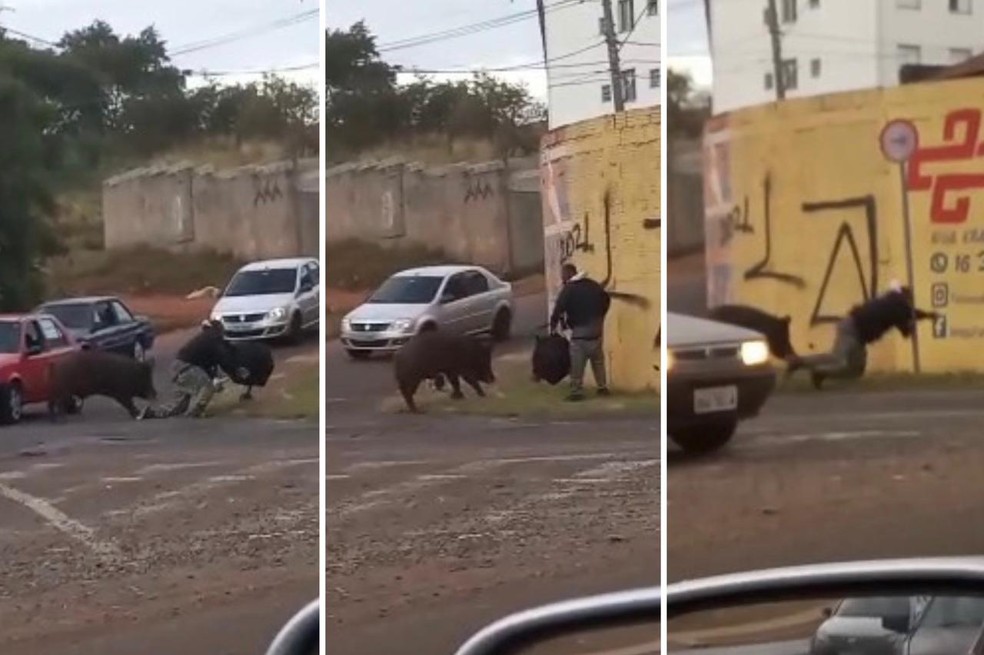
column 193, row 372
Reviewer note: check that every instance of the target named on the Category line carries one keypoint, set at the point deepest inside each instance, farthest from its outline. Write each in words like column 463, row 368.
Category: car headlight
column 402, row 325
column 347, row 324
column 277, row 314
column 754, row 353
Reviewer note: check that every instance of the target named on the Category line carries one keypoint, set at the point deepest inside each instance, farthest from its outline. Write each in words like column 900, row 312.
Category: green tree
column 685, row 115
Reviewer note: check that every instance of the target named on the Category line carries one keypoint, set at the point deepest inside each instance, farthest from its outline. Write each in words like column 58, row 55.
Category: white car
column 271, row 299
column 718, row 375
column 456, row 299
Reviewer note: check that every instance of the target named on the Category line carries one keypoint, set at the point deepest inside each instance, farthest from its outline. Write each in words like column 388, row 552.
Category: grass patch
column 516, row 395
column 138, row 271
column 885, row 382
column 295, row 396
column 355, row 265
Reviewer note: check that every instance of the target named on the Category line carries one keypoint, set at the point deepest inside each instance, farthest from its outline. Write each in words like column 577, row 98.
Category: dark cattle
column 551, row 359
column 253, row 366
column 98, row 373
column 438, row 356
column 774, row 328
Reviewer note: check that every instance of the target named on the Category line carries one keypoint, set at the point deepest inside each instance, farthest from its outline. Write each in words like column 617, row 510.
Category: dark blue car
column 104, row 323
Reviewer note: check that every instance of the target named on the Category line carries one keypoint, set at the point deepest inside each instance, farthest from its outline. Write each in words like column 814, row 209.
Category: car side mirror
column 896, row 623
column 826, row 612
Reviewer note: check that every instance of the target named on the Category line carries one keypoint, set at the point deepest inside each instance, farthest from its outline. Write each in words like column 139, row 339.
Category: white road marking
column 832, row 436
column 112, row 480
column 179, row 466
column 61, row 522
column 339, row 476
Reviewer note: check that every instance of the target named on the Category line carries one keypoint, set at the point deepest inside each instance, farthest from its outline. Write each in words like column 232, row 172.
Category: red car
column 29, row 345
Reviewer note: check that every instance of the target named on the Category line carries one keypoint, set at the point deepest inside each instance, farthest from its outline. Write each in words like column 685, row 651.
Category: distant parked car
column 29, row 345
column 271, row 299
column 457, row 299
column 718, row 375
column 104, row 323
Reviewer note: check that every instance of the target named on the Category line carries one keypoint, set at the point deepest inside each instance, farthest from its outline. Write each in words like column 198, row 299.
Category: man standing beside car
column 583, row 305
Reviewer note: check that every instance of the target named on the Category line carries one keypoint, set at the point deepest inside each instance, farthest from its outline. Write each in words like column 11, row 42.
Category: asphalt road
column 833, row 477
column 119, row 537
column 439, row 525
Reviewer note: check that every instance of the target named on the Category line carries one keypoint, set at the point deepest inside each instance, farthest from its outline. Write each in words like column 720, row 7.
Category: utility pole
column 613, row 46
column 772, row 20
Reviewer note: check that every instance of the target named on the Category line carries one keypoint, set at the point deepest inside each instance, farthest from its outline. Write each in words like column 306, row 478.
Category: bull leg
column 408, row 389
column 248, row 394
column 127, row 404
column 455, row 382
column 474, row 384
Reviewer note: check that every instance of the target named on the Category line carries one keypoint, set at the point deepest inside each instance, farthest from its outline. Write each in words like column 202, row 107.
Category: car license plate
column 715, row 399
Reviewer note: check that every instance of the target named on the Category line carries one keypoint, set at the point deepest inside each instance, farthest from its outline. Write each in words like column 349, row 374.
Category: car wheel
column 295, row 332
column 11, row 404
column 359, row 355
column 502, row 325
column 74, row 405
column 706, row 438
column 139, row 354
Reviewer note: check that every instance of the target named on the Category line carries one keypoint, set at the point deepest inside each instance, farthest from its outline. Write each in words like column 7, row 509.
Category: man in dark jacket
column 192, row 373
column 583, row 304
column 865, row 324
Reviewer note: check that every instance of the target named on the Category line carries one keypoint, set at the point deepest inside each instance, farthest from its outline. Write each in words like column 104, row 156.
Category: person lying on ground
column 194, row 373
column 865, row 324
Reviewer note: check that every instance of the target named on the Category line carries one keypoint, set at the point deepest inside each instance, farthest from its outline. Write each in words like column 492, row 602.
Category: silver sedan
column 457, row 299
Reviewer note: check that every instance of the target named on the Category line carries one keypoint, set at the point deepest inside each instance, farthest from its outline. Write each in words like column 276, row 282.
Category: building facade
column 576, row 55
column 830, row 46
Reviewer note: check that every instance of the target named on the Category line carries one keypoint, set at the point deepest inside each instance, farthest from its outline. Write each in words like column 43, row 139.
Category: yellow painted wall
column 815, row 168
column 609, row 166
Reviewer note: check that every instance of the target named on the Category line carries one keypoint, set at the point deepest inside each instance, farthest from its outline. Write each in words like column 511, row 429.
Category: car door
column 127, row 327
column 105, row 334
column 308, row 295
column 454, row 304
column 34, row 373
column 57, row 347
column 481, row 302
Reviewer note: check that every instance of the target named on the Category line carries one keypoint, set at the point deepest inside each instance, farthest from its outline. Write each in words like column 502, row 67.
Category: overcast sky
column 687, row 39
column 185, row 22
column 396, row 20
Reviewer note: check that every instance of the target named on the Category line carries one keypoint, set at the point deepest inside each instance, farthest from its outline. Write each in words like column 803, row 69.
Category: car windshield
column 416, row 290
column 9, row 337
column 262, row 283
column 75, row 316
column 875, row 607
column 947, row 611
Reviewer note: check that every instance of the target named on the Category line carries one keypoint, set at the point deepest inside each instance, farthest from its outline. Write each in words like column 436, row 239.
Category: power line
column 635, row 23
column 472, row 28
column 29, row 37
column 267, row 71
column 508, row 69
column 245, row 33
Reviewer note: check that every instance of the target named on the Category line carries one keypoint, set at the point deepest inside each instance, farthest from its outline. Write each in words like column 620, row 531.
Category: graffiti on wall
column 265, row 191
column 478, row 189
column 950, row 203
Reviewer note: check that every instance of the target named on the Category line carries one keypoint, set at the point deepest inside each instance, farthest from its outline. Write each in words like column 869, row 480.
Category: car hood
column 683, row 331
column 253, row 304
column 386, row 312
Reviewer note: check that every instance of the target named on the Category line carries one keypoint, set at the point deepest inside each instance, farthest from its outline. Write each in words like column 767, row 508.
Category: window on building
column 910, row 54
column 790, row 74
column 629, row 85
column 652, row 7
column 960, row 6
column 814, row 4
column 958, row 55
column 788, row 13
column 908, row 4
column 769, row 82
column 626, row 15
column 601, row 26
column 606, row 92
column 655, row 77
column 815, row 67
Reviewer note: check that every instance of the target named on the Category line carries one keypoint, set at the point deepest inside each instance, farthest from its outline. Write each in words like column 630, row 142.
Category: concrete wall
column 806, row 217
column 476, row 213
column 252, row 212
column 601, row 199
